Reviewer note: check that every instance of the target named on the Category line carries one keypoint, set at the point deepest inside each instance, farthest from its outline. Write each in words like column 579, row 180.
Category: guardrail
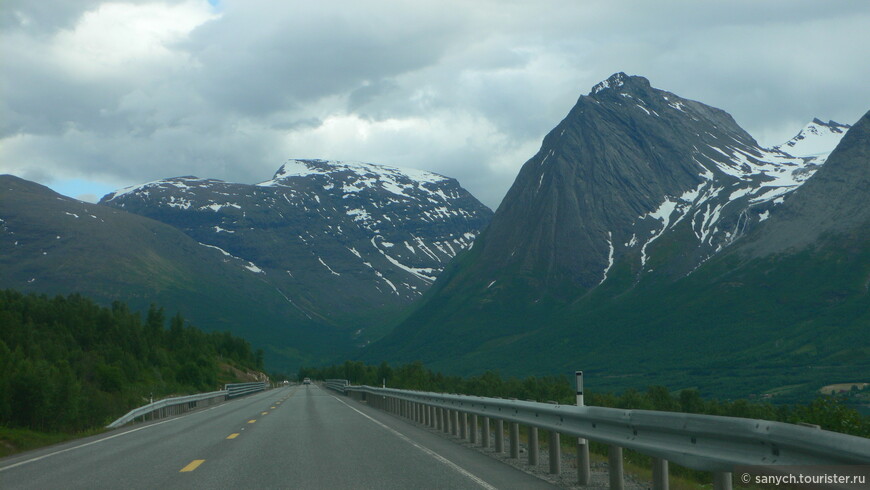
column 703, row 442
column 181, row 404
column 336, row 384
column 171, row 406
column 240, row 389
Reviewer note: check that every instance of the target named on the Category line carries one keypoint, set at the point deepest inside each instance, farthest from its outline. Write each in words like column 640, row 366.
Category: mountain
column 348, row 244
column 815, row 140
column 648, row 234
column 56, row 245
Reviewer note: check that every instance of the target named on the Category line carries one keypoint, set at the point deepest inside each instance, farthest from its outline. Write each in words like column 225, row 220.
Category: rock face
column 347, row 243
column 652, row 237
column 627, row 167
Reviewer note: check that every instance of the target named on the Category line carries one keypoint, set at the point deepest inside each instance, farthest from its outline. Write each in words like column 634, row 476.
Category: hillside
column 67, row 364
column 349, row 244
column 653, row 241
column 56, row 245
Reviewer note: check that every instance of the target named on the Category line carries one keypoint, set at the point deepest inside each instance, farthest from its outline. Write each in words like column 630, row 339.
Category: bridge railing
column 704, row 442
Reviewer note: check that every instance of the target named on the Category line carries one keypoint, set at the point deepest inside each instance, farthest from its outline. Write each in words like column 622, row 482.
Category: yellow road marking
column 264, row 413
column 192, row 466
column 233, row 436
column 252, row 421
column 273, row 408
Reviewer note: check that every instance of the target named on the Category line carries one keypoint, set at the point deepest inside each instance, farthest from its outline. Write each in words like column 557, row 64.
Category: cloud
column 125, row 92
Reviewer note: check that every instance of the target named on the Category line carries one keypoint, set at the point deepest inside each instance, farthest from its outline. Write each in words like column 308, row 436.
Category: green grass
column 13, row 441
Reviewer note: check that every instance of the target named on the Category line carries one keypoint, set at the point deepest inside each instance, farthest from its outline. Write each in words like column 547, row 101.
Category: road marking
column 426, row 450
column 192, row 466
column 264, row 413
column 252, row 421
column 175, row 419
column 86, row 444
column 233, row 435
column 273, row 408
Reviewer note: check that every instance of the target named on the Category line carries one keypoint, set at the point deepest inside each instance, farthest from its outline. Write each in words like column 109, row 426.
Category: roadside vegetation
column 69, row 366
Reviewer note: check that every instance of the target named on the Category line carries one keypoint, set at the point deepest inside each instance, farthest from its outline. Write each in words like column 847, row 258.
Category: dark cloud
column 127, row 92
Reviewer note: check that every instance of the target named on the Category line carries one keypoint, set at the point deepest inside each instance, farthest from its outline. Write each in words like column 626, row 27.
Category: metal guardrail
column 180, row 404
column 239, row 389
column 336, row 384
column 169, row 406
column 703, row 442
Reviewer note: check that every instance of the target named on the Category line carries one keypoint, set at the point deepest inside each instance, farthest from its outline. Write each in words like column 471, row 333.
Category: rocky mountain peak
column 620, row 82
column 815, row 140
column 629, row 166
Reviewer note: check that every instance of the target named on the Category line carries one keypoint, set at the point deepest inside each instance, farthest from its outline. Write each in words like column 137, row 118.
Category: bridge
column 338, row 436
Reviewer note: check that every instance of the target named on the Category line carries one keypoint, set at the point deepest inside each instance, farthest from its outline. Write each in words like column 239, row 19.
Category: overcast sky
column 101, row 95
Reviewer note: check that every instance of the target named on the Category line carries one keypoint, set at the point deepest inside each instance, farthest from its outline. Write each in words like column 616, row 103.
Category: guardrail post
column 455, row 429
column 499, row 436
column 485, row 432
column 463, row 426
column 660, row 474
column 614, row 460
column 555, row 453
column 583, row 474
column 722, row 481
column 445, row 420
column 473, row 431
column 515, row 440
column 533, row 446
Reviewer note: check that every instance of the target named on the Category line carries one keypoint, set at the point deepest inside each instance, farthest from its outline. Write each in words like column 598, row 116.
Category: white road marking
column 20, row 463
column 86, row 444
column 426, row 450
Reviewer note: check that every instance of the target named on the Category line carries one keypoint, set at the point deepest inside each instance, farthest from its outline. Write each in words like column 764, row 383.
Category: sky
column 96, row 96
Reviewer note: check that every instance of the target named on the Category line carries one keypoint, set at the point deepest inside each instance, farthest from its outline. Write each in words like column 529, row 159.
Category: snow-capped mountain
column 338, row 239
column 652, row 233
column 631, row 164
column 52, row 244
column 815, row 140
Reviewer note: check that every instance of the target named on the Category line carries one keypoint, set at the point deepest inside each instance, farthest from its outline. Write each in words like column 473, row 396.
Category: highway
column 297, row 437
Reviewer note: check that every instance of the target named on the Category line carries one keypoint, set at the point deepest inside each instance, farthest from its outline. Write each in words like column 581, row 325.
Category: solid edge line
column 426, row 450
column 20, row 463
column 44, row 456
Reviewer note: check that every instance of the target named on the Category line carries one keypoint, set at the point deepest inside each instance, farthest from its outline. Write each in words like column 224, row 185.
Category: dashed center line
column 252, row 421
column 192, row 466
column 233, row 435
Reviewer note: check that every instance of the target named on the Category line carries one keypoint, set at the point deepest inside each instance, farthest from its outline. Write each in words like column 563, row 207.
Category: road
column 297, row 437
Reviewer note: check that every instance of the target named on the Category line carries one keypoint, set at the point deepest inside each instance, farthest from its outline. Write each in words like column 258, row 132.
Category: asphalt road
column 299, row 437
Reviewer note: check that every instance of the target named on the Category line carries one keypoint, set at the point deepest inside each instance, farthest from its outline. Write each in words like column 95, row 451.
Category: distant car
column 306, row 381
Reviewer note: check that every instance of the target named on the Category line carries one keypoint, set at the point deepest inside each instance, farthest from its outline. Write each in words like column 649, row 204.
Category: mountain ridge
column 346, row 242
column 628, row 233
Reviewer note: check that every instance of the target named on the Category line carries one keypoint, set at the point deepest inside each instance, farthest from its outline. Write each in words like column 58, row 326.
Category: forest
column 69, row 365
